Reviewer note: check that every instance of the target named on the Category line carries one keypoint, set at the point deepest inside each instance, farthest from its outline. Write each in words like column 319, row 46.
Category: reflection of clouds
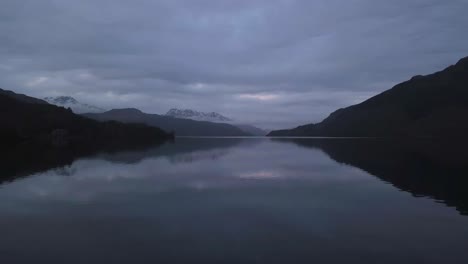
column 198, row 156
column 259, row 175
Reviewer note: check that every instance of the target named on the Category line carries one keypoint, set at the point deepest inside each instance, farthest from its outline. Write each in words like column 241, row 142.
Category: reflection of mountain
column 36, row 136
column 27, row 159
column 22, row 161
column 183, row 150
column 423, row 168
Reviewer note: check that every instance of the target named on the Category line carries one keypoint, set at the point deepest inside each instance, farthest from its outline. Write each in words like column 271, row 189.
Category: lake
column 239, row 200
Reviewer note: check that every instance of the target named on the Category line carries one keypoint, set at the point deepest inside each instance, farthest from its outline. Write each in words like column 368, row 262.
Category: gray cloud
column 276, row 63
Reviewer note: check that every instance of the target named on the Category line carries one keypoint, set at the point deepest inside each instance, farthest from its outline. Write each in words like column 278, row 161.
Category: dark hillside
column 435, row 105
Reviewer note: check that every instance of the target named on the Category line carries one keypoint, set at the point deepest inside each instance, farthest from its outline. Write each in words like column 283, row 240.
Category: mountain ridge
column 22, row 97
column 433, row 105
column 25, row 119
column 73, row 104
column 196, row 115
column 180, row 126
column 216, row 118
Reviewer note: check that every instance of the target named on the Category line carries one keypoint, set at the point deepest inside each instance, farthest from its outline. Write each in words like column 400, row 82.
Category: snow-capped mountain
column 215, row 117
column 195, row 115
column 76, row 107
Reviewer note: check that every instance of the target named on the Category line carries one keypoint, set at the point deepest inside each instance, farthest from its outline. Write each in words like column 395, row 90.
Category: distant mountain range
column 253, row 130
column 215, row 117
column 73, row 104
column 181, row 126
column 28, row 120
column 195, row 115
column 435, row 105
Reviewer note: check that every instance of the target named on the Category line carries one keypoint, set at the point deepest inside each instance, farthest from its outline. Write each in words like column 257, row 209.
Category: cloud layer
column 276, row 63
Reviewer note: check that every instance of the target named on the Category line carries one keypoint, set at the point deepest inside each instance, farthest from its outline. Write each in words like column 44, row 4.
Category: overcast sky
column 277, row 63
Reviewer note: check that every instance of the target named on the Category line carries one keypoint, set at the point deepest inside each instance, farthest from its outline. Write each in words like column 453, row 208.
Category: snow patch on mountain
column 215, row 117
column 73, row 104
column 195, row 115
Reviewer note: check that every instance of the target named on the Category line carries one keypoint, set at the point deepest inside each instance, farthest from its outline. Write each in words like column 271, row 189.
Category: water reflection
column 238, row 201
column 185, row 150
column 28, row 159
column 433, row 168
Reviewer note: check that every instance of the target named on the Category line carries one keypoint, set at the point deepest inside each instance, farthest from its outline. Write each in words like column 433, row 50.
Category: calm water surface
column 240, row 201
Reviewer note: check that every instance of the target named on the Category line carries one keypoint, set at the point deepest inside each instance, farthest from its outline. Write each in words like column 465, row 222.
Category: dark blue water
column 241, row 201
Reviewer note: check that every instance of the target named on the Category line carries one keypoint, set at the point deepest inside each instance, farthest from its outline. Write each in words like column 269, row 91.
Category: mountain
column 25, row 119
column 195, row 115
column 253, row 130
column 73, row 104
column 215, row 117
column 22, row 98
column 435, row 105
column 181, row 126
